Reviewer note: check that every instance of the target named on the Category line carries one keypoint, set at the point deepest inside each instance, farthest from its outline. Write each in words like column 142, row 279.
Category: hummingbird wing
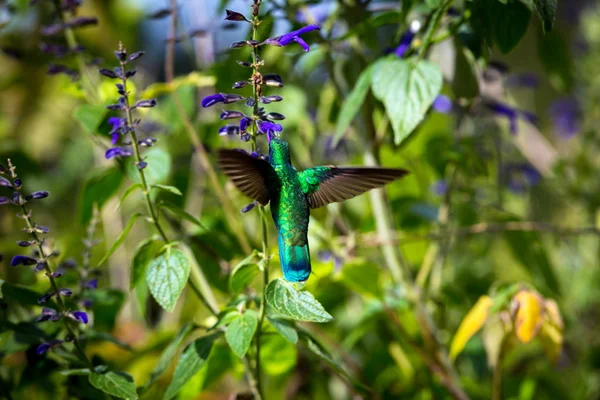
column 248, row 174
column 329, row 184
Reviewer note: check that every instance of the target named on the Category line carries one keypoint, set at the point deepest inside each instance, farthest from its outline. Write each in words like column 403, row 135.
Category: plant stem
column 61, row 304
column 231, row 217
column 435, row 20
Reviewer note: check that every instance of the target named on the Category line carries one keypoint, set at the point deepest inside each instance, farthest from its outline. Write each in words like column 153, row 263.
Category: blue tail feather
column 295, row 261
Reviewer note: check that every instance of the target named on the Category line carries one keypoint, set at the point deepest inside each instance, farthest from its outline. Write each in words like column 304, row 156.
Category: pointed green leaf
column 509, row 23
column 176, row 210
column 407, row 91
column 166, row 277
column 240, row 332
column 97, row 189
column 157, row 170
column 242, row 275
column 316, row 348
column 464, row 83
column 144, row 253
column 301, row 306
column 118, row 384
column 130, row 190
column 167, row 188
column 90, row 116
column 285, row 327
column 120, row 239
column 352, row 104
column 167, row 355
column 546, row 10
column 191, row 361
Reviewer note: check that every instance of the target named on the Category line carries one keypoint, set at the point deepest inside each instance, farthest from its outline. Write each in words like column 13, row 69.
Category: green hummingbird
column 292, row 194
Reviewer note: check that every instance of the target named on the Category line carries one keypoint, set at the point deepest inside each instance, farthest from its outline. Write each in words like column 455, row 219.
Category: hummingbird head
column 279, row 151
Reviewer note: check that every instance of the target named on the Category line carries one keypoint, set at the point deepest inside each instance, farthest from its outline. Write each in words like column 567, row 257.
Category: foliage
column 133, row 273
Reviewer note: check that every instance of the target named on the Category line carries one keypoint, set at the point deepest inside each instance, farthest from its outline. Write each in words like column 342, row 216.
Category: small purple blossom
column 565, row 114
column 442, row 104
column 439, row 187
column 228, row 130
column 118, row 152
column 245, row 123
column 326, row 255
column 37, row 195
column 44, row 347
column 525, row 80
column 269, row 128
column 91, row 284
column 512, row 114
column 80, row 316
column 294, row 36
column 23, row 260
column 65, row 292
column 48, row 314
column 520, row 176
column 248, row 207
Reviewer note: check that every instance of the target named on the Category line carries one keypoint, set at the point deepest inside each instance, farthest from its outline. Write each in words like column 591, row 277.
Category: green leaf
column 546, row 10
column 465, row 83
column 240, row 332
column 285, row 327
column 167, row 275
column 100, row 187
column 317, row 349
column 158, row 169
column 113, row 247
column 90, row 116
column 407, row 91
column 129, row 191
column 283, row 297
column 192, row 359
column 76, row 372
column 509, row 23
column 144, row 253
column 352, row 104
column 167, row 188
column 181, row 213
column 118, row 384
column 167, row 355
column 243, row 274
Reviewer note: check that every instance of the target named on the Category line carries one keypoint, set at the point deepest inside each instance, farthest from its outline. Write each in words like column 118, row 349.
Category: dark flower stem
column 48, row 270
column 263, row 216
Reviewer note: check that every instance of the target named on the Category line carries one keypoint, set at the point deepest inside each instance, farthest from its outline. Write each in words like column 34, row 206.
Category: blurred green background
column 471, row 178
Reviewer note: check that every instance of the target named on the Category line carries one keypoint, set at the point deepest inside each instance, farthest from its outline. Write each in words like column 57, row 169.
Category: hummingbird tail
column 295, row 261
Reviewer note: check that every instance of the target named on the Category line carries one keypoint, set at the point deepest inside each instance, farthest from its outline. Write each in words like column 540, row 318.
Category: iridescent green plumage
column 293, row 193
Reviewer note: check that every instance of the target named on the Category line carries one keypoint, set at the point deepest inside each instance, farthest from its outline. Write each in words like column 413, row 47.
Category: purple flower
column 229, row 130
column 442, row 104
column 440, row 187
column 44, row 298
column 37, row 195
column 520, row 176
column 118, row 152
column 91, row 284
column 5, row 182
column 48, row 314
column 80, row 316
column 407, row 38
column 24, row 260
column 512, row 114
column 326, row 255
column 44, row 347
column 228, row 114
column 269, row 128
column 4, row 200
column 527, row 80
column 245, row 123
column 213, row 99
column 294, row 36
column 248, row 207
column 566, row 114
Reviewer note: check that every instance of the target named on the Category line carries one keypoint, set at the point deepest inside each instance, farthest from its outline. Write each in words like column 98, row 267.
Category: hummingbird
column 293, row 193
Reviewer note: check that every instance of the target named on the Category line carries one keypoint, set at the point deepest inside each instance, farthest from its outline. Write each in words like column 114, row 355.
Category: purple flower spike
column 37, row 195
column 294, row 36
column 80, row 316
column 23, row 260
column 442, row 104
column 248, row 207
column 212, row 100
column 566, row 114
column 512, row 114
column 65, row 292
column 229, row 130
